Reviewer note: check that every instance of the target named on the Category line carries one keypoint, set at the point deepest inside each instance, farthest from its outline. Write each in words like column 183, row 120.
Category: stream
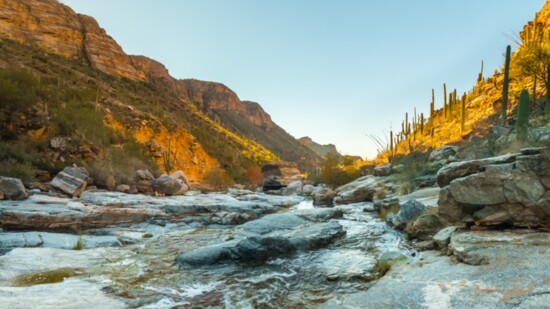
column 145, row 275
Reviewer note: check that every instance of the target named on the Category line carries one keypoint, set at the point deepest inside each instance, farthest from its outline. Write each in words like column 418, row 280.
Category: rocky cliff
column 55, row 28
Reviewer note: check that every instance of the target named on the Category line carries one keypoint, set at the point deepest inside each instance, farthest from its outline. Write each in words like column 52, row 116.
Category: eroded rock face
column 280, row 174
column 510, row 191
column 56, row 28
column 12, row 189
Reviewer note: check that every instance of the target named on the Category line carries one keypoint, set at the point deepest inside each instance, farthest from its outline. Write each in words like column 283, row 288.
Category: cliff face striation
column 55, row 28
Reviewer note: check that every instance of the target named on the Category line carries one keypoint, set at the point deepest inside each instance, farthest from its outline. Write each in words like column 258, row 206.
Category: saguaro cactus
column 523, row 114
column 445, row 100
column 432, row 105
column 505, row 85
column 548, row 90
column 463, row 113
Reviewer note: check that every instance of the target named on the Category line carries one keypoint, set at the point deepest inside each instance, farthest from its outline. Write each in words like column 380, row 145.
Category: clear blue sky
column 336, row 71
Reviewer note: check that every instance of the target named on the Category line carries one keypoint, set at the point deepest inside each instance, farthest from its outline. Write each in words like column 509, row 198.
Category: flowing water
column 147, row 276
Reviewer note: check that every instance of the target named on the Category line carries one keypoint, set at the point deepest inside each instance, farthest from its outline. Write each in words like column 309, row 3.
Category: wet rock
column 294, row 188
column 360, row 190
column 309, row 190
column 280, row 174
column 407, row 212
column 12, row 189
column 71, row 181
column 259, row 248
column 445, row 153
column 63, row 214
column 169, row 186
column 511, row 273
column 324, row 197
column 55, row 240
column 383, row 169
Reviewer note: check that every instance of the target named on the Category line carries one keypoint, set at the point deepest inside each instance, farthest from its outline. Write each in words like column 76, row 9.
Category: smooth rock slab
column 70, row 293
column 515, row 275
column 55, row 240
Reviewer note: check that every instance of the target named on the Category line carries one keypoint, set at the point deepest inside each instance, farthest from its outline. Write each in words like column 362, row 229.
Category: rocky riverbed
column 244, row 249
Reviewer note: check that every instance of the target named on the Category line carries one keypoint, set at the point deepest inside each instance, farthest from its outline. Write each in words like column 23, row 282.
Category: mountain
column 480, row 119
column 322, row 150
column 195, row 124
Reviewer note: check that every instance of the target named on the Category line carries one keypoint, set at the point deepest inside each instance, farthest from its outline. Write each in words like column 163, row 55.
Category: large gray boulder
column 71, row 181
column 502, row 194
column 169, row 185
column 12, row 189
column 270, row 237
column 383, row 169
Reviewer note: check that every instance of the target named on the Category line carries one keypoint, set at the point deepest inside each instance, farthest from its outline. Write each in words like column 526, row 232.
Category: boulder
column 445, row 153
column 324, row 197
column 386, row 206
column 179, row 175
column 294, row 188
column 280, row 174
column 169, row 186
column 145, row 187
column 456, row 170
column 506, row 194
column 443, row 237
column 123, row 188
column 407, row 212
column 12, row 189
column 360, row 190
column 424, row 181
column 383, row 169
column 425, row 225
column 71, row 181
column 145, row 175
column 309, row 190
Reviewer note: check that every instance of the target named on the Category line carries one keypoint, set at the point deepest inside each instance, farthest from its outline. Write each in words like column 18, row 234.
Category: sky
column 337, row 71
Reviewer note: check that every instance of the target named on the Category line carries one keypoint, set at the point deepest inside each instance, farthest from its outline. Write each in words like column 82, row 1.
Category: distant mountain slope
column 235, row 133
column 322, row 150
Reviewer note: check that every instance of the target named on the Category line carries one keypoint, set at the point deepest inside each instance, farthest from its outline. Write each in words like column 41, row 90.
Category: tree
column 218, row 179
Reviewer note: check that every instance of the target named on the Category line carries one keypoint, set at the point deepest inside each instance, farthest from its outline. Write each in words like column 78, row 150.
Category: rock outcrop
column 511, row 190
column 280, row 174
column 360, row 190
column 56, row 28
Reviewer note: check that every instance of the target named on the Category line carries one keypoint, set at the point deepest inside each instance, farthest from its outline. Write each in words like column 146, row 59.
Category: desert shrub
column 218, row 179
column 411, row 166
column 254, row 177
column 17, row 93
column 334, row 173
